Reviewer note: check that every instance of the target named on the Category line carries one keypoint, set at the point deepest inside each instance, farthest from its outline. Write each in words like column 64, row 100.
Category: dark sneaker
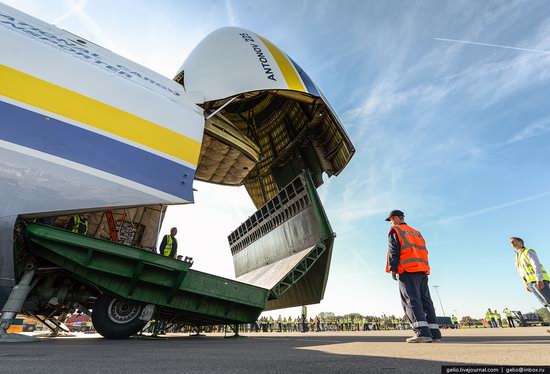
column 419, row 339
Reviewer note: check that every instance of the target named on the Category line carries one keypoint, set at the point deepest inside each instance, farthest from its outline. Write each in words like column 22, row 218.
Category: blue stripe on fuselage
column 306, row 79
column 33, row 130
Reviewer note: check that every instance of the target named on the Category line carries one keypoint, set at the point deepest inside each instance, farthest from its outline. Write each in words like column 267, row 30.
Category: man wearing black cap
column 408, row 264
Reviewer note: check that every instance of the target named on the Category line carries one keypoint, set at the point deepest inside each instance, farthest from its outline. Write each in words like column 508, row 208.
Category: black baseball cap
column 395, row 213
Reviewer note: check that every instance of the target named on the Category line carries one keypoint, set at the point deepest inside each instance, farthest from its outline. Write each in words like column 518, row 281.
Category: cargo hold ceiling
column 263, row 139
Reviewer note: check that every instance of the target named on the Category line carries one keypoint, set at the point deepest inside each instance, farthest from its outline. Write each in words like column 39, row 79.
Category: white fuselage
column 83, row 128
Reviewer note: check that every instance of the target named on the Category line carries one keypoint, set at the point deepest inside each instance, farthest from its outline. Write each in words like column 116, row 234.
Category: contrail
column 490, row 209
column 73, row 9
column 492, row 45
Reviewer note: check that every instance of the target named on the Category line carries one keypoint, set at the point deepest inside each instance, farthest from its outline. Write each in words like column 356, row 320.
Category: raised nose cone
column 266, row 120
column 232, row 60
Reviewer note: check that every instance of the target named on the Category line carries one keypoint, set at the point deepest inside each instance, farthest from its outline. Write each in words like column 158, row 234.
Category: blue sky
column 445, row 102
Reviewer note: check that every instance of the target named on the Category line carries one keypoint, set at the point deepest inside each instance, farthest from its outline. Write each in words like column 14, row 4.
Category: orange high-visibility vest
column 414, row 254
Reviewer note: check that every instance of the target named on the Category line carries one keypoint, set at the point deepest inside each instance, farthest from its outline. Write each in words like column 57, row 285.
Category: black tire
column 116, row 318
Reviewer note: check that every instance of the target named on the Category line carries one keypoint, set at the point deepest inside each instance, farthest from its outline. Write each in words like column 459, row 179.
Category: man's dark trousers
column 417, row 303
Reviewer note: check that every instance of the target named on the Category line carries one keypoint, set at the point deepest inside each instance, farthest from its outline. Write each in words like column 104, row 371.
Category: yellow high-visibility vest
column 77, row 223
column 168, row 248
column 525, row 268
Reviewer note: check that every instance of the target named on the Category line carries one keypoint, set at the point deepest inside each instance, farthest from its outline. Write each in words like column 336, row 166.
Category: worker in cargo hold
column 407, row 261
column 531, row 271
column 169, row 244
column 78, row 223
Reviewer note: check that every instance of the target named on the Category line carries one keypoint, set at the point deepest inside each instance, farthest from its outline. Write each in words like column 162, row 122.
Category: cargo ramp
column 143, row 277
column 286, row 246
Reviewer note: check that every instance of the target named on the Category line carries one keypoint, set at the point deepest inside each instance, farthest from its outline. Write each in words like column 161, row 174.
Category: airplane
column 87, row 134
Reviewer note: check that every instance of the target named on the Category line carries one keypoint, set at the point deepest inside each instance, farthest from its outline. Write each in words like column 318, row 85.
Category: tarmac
column 327, row 352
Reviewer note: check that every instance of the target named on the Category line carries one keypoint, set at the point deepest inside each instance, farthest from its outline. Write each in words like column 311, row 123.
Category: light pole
column 439, row 298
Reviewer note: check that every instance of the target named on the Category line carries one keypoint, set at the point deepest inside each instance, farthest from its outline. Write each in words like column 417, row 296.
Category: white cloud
column 418, row 90
column 231, row 14
column 97, row 34
column 537, row 128
column 74, row 8
column 492, row 45
column 489, row 209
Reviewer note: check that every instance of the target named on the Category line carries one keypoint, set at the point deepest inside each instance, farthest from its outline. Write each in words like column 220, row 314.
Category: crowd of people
column 330, row 322
column 322, row 323
column 494, row 318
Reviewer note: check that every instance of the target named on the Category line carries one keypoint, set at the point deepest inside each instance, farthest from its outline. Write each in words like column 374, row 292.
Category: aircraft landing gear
column 234, row 328
column 56, row 325
column 13, row 306
column 116, row 318
column 197, row 330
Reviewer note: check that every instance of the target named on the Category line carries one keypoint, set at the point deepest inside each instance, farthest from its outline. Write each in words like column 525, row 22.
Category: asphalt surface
column 330, row 352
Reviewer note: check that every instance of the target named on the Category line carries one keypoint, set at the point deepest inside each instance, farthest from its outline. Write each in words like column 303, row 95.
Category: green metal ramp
column 148, row 278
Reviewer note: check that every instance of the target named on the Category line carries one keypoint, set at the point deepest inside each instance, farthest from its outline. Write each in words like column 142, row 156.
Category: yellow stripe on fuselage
column 69, row 104
column 291, row 75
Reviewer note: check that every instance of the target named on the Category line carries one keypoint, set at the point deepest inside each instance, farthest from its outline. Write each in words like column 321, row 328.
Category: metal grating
column 290, row 201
